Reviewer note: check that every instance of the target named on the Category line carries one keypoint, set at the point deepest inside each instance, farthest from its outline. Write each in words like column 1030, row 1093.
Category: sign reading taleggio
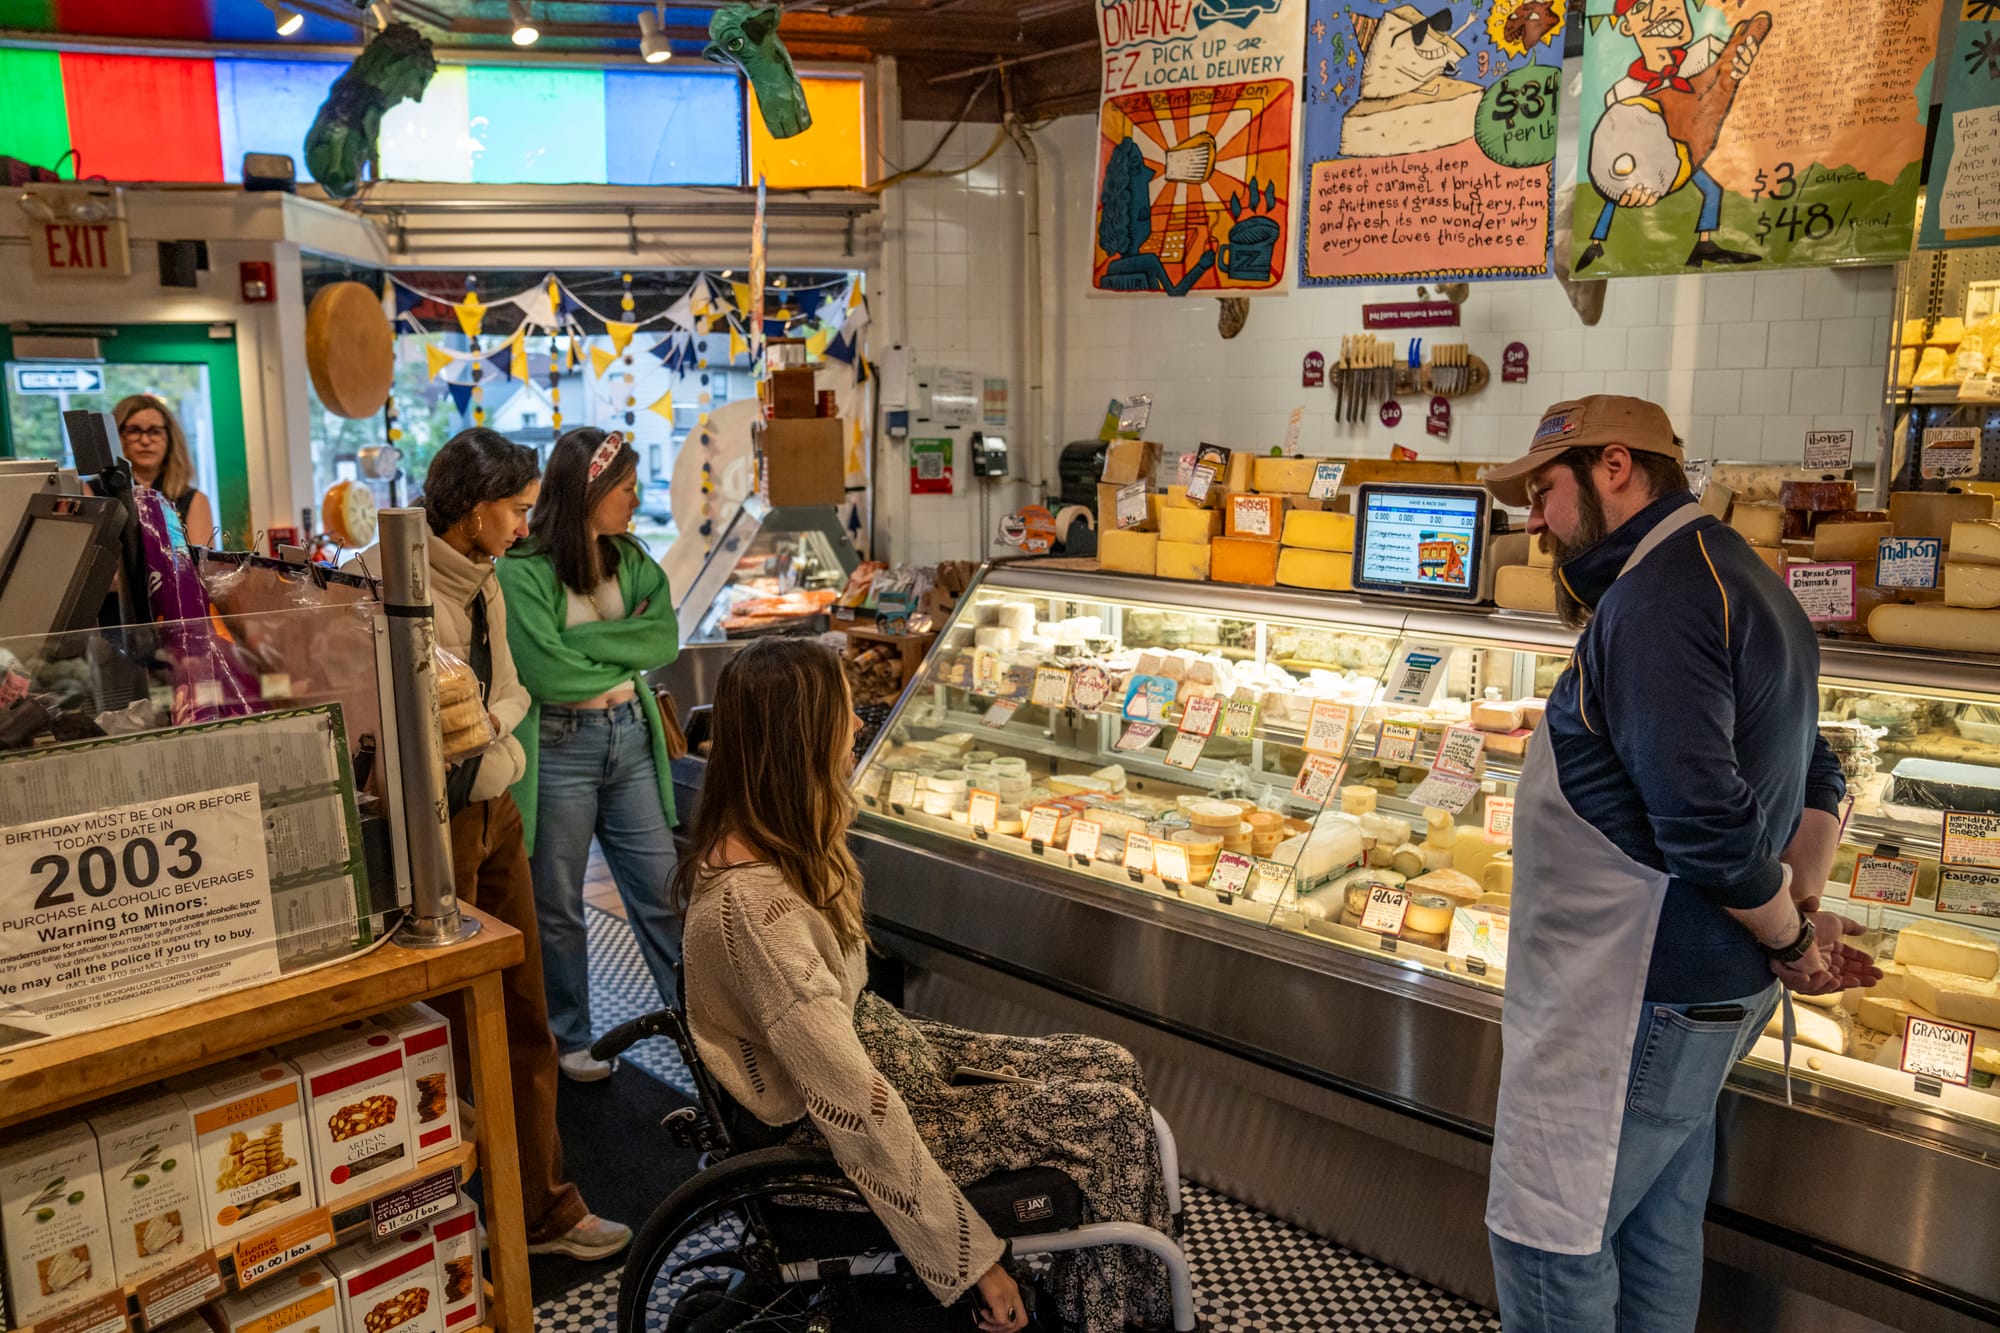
column 114, row 912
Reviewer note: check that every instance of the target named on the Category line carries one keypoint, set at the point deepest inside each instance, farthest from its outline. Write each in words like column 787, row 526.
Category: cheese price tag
column 1133, row 416
column 1500, row 817
column 185, row 1286
column 1981, row 388
column 1447, row 791
column 1949, row 452
column 1826, row 591
column 1417, row 674
column 1132, row 506
column 1326, row 480
column 1051, row 688
column 285, row 1244
column 99, row 1314
column 1271, row 881
column 1317, row 778
column 1185, row 752
column 1326, row 732
column 1239, row 719
column 1251, row 515
column 1971, row 838
column 1397, row 742
column 1083, row 836
column 1292, row 424
column 982, row 808
column 1232, row 872
column 1001, row 713
column 1968, row 891
column 1170, row 862
column 1198, row 484
column 1884, row 879
column 1387, row 905
column 434, row 1194
column 1942, row 1051
column 1042, row 821
column 1829, row 451
column 902, row 787
column 1137, row 736
column 1459, row 751
column 1200, row 715
column 1138, row 852
column 1908, row 562
column 986, row 671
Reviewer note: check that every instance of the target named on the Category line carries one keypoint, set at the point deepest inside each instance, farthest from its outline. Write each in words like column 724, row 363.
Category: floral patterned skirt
column 1084, row 1111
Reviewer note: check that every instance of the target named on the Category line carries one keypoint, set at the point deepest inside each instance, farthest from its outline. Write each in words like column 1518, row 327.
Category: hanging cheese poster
column 1724, row 135
column 1964, row 207
column 1196, row 153
column 1430, row 140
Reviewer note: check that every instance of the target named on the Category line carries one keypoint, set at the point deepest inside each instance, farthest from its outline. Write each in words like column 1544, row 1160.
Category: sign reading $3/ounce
column 117, row 912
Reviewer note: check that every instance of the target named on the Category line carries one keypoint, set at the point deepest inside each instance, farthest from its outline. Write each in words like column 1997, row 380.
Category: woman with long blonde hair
column 157, row 448
column 775, row 967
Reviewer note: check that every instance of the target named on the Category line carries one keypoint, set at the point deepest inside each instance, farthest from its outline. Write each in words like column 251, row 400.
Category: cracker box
column 52, row 1222
column 427, row 1070
column 456, row 1236
column 390, row 1285
column 358, row 1107
column 250, row 1145
column 152, row 1194
column 299, row 1299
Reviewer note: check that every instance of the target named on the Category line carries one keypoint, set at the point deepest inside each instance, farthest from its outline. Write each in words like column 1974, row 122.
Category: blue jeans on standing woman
column 597, row 778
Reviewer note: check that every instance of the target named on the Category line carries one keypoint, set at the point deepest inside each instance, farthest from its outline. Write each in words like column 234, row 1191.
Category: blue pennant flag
column 841, row 349
column 406, row 299
column 461, row 397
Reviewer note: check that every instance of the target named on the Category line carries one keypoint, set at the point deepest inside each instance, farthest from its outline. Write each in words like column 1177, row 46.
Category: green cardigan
column 561, row 663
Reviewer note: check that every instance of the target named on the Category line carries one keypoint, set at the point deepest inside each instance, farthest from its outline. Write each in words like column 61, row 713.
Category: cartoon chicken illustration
column 1410, row 100
column 1661, row 121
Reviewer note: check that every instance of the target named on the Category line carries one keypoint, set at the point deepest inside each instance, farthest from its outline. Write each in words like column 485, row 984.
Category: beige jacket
column 770, row 998
column 455, row 581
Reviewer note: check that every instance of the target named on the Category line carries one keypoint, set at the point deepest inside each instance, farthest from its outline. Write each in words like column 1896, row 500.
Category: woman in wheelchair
column 775, row 964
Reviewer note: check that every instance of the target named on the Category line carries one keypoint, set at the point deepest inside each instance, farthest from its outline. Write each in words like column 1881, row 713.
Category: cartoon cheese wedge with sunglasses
column 1661, row 121
column 1411, row 100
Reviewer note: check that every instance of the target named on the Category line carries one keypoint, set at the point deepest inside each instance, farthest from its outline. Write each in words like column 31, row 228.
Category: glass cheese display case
column 773, row 570
column 1263, row 792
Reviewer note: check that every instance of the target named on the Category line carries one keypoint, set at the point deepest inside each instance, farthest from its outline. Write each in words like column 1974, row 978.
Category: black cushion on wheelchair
column 1027, row 1203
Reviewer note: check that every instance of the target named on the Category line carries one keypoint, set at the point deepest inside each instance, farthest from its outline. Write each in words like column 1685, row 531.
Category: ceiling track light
column 654, row 47
column 289, row 21
column 525, row 31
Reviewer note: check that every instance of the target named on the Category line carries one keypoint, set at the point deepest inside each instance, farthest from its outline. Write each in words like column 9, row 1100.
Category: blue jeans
column 1647, row 1278
column 597, row 778
column 1711, row 206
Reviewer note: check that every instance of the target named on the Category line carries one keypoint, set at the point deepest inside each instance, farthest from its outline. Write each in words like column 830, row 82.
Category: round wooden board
column 350, row 350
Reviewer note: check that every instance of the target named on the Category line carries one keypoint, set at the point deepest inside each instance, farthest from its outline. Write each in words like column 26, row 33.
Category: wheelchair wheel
column 717, row 1255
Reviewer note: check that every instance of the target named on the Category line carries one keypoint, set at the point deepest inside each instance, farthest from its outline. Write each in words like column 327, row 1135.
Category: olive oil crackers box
column 152, row 1193
column 52, row 1222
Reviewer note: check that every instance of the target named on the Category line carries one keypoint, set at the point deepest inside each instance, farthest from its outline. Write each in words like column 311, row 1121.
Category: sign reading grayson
column 58, row 379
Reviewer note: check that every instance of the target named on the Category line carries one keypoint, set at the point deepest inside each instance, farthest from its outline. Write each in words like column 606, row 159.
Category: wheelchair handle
column 631, row 1033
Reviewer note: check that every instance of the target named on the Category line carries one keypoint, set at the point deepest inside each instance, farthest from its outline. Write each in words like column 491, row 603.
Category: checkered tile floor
column 1252, row 1272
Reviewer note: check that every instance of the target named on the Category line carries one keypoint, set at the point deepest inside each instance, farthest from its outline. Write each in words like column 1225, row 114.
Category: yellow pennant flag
column 517, row 365
column 664, row 405
column 621, row 334
column 436, row 359
column 854, row 295
column 471, row 314
column 737, row 347
column 569, row 356
column 600, row 361
column 741, row 291
column 816, row 342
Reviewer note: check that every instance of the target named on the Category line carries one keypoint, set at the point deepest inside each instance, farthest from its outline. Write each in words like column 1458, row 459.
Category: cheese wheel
column 1192, row 526
column 1219, row 815
column 1182, row 560
column 1967, row 584
column 1328, row 571
column 1761, row 525
column 1975, row 543
column 1449, row 883
column 1429, row 914
column 1407, row 860
column 1249, row 560
column 348, row 513
column 1932, row 513
column 1424, row 939
column 1283, row 475
column 1498, row 877
column 1840, row 540
column 1524, row 588
column 1128, row 552
column 1319, row 530
column 1928, row 625
column 1358, row 800
column 1816, row 497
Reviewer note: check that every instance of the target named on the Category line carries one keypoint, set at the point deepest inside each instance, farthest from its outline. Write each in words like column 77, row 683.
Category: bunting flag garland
column 517, row 362
column 461, row 396
column 741, row 291
column 436, row 359
column 550, row 307
column 600, row 362
column 621, row 334
column 471, row 324
column 663, row 405
column 737, row 344
column 816, row 343
column 471, row 313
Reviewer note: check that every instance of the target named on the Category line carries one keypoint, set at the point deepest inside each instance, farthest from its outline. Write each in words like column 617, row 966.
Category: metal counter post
column 434, row 918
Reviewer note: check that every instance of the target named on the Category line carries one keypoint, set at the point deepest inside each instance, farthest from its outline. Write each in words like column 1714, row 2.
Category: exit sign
column 80, row 249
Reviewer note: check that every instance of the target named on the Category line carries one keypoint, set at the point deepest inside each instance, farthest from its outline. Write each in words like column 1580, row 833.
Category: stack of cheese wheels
column 1203, row 847
column 1318, row 551
column 1267, row 830
column 1529, row 587
column 1969, row 618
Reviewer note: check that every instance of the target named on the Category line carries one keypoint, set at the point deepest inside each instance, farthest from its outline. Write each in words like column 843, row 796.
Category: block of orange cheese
column 1243, row 560
column 1248, row 515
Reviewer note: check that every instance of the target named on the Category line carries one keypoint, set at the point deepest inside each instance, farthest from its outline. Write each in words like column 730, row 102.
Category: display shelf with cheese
column 773, row 571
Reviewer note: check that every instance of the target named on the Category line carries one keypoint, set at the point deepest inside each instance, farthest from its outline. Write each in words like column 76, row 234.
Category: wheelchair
column 773, row 1238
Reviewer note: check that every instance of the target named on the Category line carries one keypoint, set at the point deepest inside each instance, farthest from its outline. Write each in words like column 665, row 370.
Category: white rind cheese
column 1944, row 947
column 1955, row 997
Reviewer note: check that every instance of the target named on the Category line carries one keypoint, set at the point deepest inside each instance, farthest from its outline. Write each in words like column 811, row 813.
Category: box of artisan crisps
column 299, row 1299
column 456, row 1236
column 152, row 1197
column 250, row 1148
column 390, row 1284
column 427, row 1074
column 52, row 1222
column 357, row 1106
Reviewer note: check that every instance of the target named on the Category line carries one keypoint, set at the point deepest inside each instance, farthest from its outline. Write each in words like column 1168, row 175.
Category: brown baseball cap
column 1602, row 418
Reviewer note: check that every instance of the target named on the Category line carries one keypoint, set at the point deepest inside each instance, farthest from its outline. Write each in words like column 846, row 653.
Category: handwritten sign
column 1317, row 778
column 1968, row 891
column 1200, row 714
column 1447, row 791
column 1396, row 742
column 1133, row 508
column 1083, row 838
column 1170, row 861
column 1828, row 451
column 1942, row 1051
column 987, row 672
column 1387, row 905
column 1271, row 881
column 1825, row 591
column 1051, row 687
column 1971, row 195
column 1186, row 750
column 1137, row 736
column 1000, row 714
column 982, row 810
column 1326, row 480
column 283, row 1245
column 1949, row 453
column 1500, row 818
column 1908, row 562
column 1884, row 879
column 1971, row 838
column 1459, row 751
column 1239, row 719
column 1138, row 852
column 1326, row 732
column 902, row 787
column 1043, row 821
column 1232, row 872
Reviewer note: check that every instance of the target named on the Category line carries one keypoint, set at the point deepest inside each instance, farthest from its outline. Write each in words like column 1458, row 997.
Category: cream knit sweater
column 770, row 998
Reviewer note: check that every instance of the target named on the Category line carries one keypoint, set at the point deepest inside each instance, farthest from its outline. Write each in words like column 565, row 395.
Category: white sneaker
column 591, row 1239
column 580, row 1067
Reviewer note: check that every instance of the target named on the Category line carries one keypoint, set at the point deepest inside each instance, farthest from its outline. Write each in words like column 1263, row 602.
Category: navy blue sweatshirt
column 1686, row 731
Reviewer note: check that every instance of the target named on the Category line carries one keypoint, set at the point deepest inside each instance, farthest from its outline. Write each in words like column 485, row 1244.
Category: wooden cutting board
column 350, row 350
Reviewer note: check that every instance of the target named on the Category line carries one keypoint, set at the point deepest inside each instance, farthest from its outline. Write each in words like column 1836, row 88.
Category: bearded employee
column 1675, row 819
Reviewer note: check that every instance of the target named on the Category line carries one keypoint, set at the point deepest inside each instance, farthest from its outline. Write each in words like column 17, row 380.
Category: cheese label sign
column 1326, row 733
column 1397, row 742
column 1292, row 425
column 1132, row 506
column 1083, row 836
column 1447, row 791
column 1417, row 674
column 1828, row 451
column 1968, row 891
column 902, row 787
column 1137, row 736
column 1971, row 838
column 1942, row 1051
column 1459, row 751
column 1387, row 906
column 1170, row 862
column 1326, row 480
column 1138, row 852
column 1908, row 562
column 1042, row 821
column 1232, row 872
column 1251, row 515
column 1089, row 686
column 1500, row 817
column 1198, row 484
column 1826, row 591
column 1185, row 752
column 1949, row 452
column 1317, row 778
column 1051, row 689
column 983, row 809
column 1000, row 714
column 1239, row 719
column 1200, row 715
column 986, row 671
column 1884, row 879
column 1134, row 414
column 1272, row 878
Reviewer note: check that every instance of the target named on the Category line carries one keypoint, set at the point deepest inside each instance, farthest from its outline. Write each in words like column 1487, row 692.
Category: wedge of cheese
column 1281, row 476
column 1539, row 557
column 1189, row 525
column 1524, row 588
column 1967, row 584
column 1955, row 997
column 1243, row 560
column 1946, row 628
column 1819, row 1028
column 1774, row 558
column 1183, row 560
column 1318, row 530
column 1946, row 947
column 1849, row 541
column 1932, row 513
column 1128, row 552
column 1887, row 1013
column 1329, row 571
column 1761, row 525
column 1974, row 543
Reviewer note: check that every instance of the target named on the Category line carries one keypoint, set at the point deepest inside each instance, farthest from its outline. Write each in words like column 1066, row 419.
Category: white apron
column 1577, row 955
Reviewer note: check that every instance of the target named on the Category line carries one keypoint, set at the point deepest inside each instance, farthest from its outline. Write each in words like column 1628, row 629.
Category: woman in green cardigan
column 589, row 613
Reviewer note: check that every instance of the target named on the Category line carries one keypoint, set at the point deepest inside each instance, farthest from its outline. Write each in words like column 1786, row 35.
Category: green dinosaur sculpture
column 394, row 67
column 746, row 36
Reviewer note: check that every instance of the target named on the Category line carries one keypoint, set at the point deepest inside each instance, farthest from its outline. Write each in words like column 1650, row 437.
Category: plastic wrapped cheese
column 1971, row 585
column 1333, row 844
column 1934, row 369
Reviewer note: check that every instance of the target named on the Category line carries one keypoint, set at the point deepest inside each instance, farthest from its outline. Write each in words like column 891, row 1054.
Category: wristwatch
column 1796, row 950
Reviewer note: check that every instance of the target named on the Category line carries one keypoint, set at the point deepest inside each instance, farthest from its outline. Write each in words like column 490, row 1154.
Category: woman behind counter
column 157, row 448
column 591, row 614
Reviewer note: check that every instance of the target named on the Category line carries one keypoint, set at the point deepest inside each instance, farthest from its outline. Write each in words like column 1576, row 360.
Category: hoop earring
column 478, row 522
